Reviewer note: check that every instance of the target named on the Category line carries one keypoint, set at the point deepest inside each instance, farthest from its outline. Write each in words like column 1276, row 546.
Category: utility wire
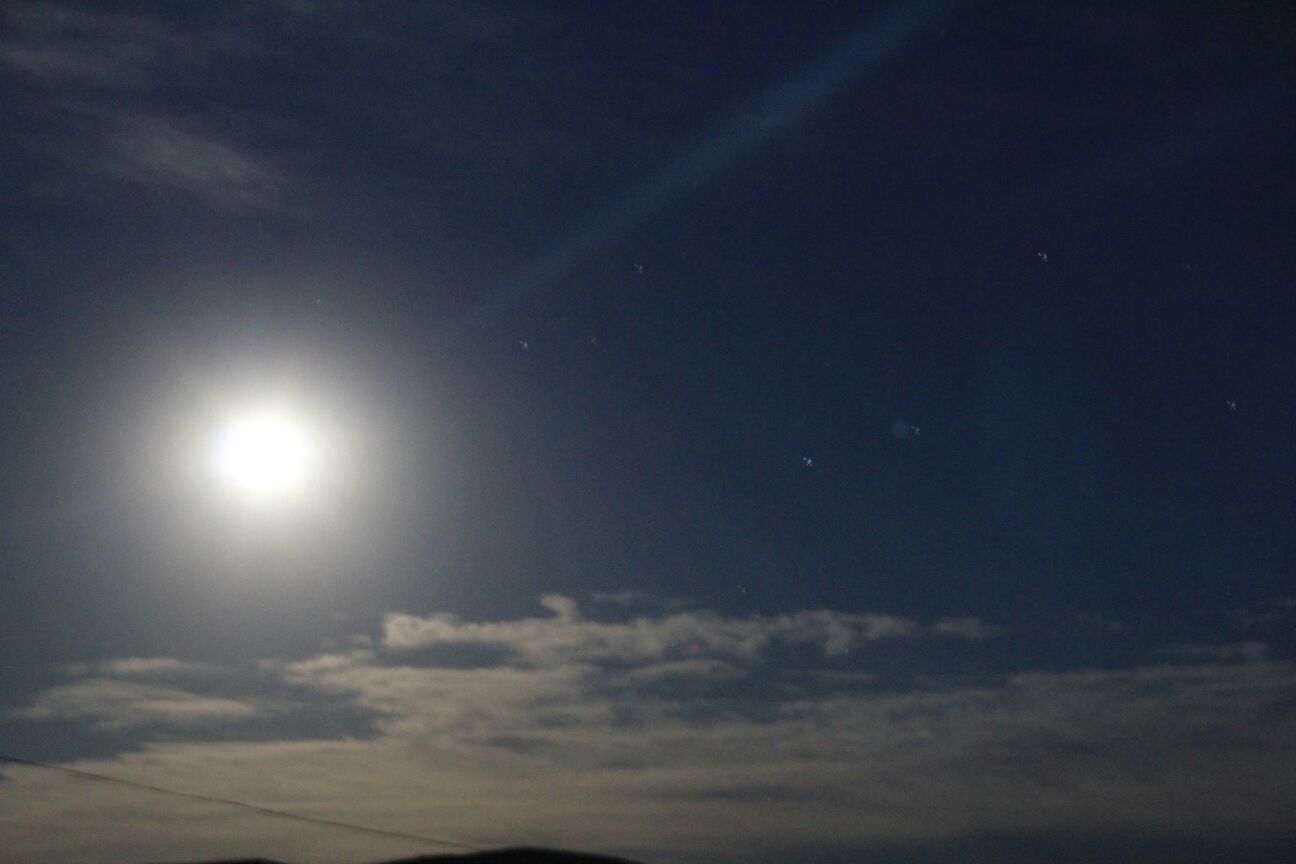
column 230, row 802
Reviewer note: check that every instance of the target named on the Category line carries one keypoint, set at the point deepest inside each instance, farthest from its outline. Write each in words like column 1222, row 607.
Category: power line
column 230, row 802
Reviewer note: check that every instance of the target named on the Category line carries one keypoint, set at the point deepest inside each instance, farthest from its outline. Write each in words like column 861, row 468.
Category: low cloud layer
column 114, row 704
column 683, row 737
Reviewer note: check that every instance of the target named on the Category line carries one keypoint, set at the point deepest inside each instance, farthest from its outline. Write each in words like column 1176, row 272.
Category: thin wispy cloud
column 707, row 669
column 156, row 152
column 139, row 667
column 1270, row 615
column 568, row 635
column 1234, row 652
column 104, row 74
column 635, row 599
column 116, row 704
column 62, row 43
column 136, row 94
column 964, row 628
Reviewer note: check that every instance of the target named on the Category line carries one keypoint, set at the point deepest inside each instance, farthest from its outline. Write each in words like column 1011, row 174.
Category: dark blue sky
column 878, row 374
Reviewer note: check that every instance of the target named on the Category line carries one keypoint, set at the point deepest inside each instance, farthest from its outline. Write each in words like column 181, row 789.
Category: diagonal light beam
column 744, row 132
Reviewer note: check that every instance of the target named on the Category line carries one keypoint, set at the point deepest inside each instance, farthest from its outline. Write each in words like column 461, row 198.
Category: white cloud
column 427, row 700
column 109, row 703
column 569, row 636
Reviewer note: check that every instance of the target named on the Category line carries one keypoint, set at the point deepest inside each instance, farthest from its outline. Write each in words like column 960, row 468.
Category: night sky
column 737, row 432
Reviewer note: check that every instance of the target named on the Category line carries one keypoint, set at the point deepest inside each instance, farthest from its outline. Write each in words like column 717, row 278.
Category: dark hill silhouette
column 244, row 861
column 515, row 856
column 498, row 856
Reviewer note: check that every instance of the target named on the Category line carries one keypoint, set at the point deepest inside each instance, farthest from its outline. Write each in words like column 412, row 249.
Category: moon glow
column 266, row 455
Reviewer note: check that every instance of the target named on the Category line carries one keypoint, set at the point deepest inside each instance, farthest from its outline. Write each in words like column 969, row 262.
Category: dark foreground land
column 500, row 856
column 515, row 856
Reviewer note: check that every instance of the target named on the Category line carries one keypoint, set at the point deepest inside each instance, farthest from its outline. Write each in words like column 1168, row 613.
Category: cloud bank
column 676, row 737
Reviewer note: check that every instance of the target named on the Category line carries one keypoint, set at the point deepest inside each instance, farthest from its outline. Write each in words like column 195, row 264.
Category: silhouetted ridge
column 498, row 856
column 514, row 856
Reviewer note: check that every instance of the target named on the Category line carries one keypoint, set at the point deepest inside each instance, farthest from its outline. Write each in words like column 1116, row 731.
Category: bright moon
column 265, row 455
